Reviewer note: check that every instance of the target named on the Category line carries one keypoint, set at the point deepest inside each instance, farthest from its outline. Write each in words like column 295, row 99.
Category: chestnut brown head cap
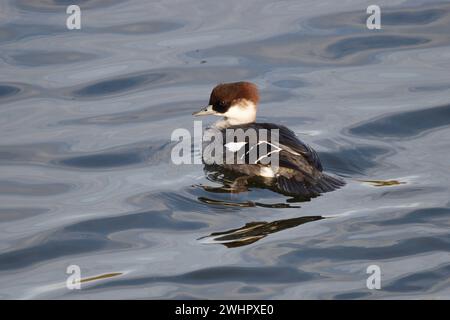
column 225, row 95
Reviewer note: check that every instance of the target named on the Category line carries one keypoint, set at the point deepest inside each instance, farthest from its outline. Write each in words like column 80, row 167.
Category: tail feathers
column 292, row 186
column 325, row 183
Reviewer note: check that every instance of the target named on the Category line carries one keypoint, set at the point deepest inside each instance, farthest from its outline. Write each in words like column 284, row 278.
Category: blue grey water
column 86, row 176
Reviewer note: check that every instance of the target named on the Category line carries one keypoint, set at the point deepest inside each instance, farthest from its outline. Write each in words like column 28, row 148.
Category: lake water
column 86, row 177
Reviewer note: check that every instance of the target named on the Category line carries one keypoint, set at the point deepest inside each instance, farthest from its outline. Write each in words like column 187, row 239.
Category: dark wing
column 304, row 181
column 291, row 147
column 290, row 141
column 300, row 171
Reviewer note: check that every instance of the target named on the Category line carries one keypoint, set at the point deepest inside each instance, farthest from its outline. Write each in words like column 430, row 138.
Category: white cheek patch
column 235, row 146
column 235, row 111
column 244, row 112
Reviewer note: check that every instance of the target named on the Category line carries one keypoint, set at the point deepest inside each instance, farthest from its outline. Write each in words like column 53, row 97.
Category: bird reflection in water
column 233, row 183
column 254, row 231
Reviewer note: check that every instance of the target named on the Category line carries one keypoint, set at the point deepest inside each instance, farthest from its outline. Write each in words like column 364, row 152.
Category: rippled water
column 85, row 172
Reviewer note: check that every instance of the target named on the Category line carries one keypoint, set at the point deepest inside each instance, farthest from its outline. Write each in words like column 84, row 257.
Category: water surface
column 86, row 178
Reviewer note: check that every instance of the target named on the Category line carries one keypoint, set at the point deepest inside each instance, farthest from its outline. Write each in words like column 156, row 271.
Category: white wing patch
column 235, row 146
column 266, row 172
column 276, row 149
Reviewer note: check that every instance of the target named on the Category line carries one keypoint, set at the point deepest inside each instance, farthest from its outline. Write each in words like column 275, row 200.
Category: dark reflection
column 32, row 189
column 411, row 17
column 105, row 160
column 56, row 245
column 437, row 216
column 353, row 160
column 145, row 28
column 212, row 275
column 138, row 154
column 7, row 90
column 57, row 154
column 170, row 200
column 245, row 204
column 13, row 91
column 117, row 85
column 234, row 183
column 351, row 295
column 344, row 42
column 92, row 236
column 407, row 192
column 157, row 78
column 353, row 45
column 158, row 220
column 147, row 114
column 392, row 17
column 42, row 58
column 16, row 32
column 17, row 213
column 254, row 231
column 420, row 282
column 430, row 88
column 37, row 152
column 401, row 248
column 304, row 49
column 118, row 158
column 162, row 111
column 405, row 124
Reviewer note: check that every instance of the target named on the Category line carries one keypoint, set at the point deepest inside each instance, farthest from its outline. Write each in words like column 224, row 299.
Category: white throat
column 240, row 113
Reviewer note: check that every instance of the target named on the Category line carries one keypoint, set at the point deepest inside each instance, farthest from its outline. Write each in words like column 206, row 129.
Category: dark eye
column 220, row 106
